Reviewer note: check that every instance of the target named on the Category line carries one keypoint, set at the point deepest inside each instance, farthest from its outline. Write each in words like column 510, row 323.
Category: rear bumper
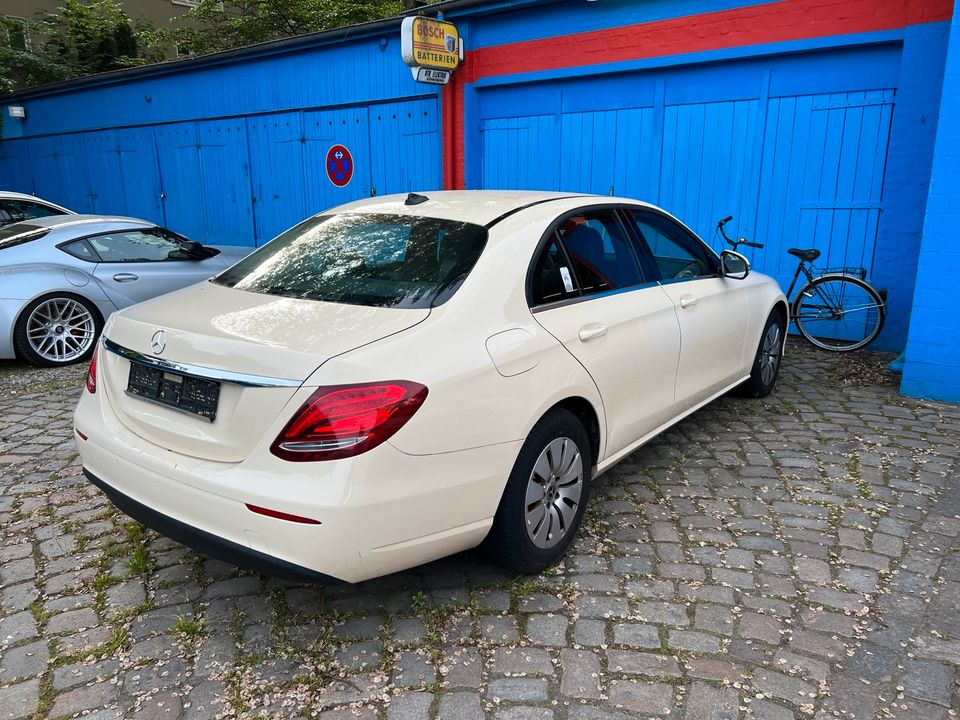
column 208, row 543
column 380, row 512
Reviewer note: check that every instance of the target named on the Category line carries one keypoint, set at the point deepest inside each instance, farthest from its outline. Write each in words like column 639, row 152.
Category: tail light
column 346, row 420
column 92, row 372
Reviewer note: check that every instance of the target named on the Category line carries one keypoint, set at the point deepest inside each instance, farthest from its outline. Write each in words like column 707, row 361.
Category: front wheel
column 766, row 363
column 545, row 497
column 839, row 313
column 57, row 330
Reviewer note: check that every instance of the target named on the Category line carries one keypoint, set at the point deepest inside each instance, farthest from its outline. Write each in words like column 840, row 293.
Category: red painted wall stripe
column 753, row 25
column 780, row 21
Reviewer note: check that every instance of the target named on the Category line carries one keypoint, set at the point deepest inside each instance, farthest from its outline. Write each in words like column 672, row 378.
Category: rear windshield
column 18, row 233
column 363, row 259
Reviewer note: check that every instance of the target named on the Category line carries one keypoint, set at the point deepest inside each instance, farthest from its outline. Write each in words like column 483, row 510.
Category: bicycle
column 837, row 309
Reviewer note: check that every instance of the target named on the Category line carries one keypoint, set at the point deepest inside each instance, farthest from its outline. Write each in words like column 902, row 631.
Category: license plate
column 181, row 392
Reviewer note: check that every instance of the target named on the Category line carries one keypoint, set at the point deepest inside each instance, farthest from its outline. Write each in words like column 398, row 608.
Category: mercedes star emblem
column 158, row 342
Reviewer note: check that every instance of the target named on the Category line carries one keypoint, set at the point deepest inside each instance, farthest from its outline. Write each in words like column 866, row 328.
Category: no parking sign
column 339, row 165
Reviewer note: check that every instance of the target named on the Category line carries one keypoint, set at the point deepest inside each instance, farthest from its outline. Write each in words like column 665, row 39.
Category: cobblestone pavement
column 788, row 558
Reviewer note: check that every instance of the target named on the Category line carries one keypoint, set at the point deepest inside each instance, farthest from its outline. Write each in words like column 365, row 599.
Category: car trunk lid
column 258, row 348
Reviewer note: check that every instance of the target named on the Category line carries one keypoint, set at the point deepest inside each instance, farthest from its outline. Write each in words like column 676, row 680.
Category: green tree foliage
column 214, row 25
column 92, row 36
column 81, row 38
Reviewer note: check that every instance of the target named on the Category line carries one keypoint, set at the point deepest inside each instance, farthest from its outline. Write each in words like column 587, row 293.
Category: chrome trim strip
column 197, row 371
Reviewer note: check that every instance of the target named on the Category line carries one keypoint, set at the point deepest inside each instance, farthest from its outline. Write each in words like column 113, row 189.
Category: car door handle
column 126, row 277
column 592, row 331
column 688, row 300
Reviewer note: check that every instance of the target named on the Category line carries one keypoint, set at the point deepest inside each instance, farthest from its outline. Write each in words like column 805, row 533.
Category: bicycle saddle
column 805, row 255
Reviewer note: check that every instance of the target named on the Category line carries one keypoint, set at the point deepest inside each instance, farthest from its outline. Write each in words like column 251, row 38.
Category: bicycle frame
column 801, row 267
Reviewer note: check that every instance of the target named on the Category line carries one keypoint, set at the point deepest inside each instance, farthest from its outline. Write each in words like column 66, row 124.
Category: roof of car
column 480, row 207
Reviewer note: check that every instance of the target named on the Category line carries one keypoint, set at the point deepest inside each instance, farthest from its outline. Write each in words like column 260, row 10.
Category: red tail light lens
column 92, row 372
column 346, row 420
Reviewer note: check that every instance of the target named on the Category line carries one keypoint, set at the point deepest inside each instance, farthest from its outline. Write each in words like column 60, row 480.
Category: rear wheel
column 839, row 312
column 766, row 363
column 545, row 497
column 57, row 330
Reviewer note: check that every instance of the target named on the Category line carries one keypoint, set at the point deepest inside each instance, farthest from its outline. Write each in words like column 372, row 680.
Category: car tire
column 80, row 327
column 767, row 360
column 520, row 538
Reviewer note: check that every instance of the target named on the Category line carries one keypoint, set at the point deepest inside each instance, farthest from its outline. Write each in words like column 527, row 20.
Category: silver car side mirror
column 733, row 265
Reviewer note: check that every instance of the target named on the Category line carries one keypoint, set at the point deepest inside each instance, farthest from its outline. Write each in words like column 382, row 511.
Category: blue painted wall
column 932, row 362
column 231, row 152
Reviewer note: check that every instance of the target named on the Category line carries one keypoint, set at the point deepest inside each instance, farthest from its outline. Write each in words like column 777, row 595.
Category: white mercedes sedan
column 405, row 377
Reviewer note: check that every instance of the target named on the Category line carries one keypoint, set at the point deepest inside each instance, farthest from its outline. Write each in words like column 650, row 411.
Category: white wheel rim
column 60, row 330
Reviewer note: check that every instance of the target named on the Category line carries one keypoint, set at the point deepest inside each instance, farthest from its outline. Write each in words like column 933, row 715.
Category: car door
column 713, row 311
column 587, row 288
column 138, row 264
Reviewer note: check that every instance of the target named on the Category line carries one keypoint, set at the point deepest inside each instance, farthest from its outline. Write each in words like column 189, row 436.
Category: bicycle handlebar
column 738, row 241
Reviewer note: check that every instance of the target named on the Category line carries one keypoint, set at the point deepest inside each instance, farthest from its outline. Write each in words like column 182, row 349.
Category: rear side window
column 553, row 278
column 80, row 249
column 600, row 252
column 364, row 259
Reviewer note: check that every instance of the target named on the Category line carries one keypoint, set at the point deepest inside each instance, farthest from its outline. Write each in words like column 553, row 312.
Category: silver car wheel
column 61, row 330
column 553, row 492
column 771, row 350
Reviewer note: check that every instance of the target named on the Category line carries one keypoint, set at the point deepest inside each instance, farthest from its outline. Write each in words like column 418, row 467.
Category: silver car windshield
column 363, row 259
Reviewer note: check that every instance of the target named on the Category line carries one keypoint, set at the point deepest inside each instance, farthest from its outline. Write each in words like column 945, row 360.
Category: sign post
column 432, row 49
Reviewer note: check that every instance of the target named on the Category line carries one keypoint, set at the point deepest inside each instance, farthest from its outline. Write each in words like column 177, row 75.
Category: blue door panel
column 140, row 173
column 15, row 170
column 276, row 172
column 405, row 146
column 106, row 181
column 322, row 129
column 178, row 153
column 60, row 171
column 520, row 153
column 225, row 180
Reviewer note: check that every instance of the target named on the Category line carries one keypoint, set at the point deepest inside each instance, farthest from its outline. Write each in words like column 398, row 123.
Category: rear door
column 136, row 265
column 590, row 292
column 713, row 312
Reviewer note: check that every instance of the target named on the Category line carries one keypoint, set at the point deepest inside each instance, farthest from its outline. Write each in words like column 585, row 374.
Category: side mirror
column 196, row 251
column 733, row 265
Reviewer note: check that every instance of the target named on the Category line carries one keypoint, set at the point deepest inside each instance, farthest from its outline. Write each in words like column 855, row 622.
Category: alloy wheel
column 61, row 330
column 770, row 352
column 553, row 492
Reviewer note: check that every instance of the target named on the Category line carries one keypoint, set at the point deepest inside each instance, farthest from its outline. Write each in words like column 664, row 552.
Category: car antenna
column 415, row 199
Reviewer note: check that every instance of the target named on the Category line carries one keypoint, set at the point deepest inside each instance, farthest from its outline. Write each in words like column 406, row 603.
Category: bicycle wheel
column 839, row 312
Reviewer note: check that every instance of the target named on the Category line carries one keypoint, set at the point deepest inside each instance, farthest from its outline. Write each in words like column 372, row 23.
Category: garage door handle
column 688, row 300
column 125, row 277
column 592, row 331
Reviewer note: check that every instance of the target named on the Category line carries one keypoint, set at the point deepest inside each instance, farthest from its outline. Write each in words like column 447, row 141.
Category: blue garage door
column 795, row 148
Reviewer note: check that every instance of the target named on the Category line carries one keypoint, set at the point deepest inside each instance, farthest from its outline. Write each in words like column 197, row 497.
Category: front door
column 712, row 310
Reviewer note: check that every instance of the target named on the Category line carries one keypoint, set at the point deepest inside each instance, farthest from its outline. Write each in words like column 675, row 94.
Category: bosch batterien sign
column 431, row 48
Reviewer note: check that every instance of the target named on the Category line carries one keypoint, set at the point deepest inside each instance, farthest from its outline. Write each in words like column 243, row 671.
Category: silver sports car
column 61, row 276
